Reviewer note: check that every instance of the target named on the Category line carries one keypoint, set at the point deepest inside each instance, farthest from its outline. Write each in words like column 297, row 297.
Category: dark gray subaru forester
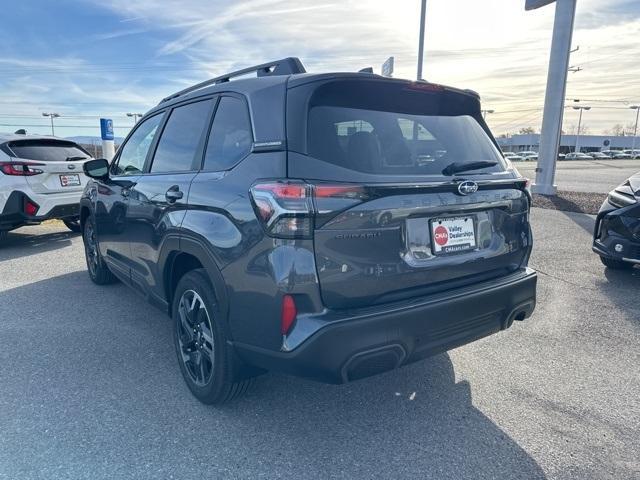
column 330, row 226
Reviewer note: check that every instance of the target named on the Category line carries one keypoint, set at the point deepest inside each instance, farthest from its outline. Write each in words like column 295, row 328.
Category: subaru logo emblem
column 467, row 188
column 71, row 167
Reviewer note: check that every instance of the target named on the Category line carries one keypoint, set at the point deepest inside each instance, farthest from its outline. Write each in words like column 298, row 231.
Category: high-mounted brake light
column 21, row 169
column 425, row 87
column 288, row 209
column 289, row 313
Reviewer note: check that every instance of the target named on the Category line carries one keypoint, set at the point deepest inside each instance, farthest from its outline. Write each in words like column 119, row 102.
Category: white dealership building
column 586, row 143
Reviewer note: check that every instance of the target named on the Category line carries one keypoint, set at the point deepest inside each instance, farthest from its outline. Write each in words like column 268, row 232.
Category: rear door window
column 181, row 138
column 46, row 150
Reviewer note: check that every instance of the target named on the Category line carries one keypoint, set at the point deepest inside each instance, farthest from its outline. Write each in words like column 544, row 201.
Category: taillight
column 289, row 313
column 288, row 209
column 21, row 169
column 338, row 191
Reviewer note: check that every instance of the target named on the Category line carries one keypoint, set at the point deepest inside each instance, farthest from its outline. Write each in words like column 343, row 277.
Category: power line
column 63, row 115
column 97, row 127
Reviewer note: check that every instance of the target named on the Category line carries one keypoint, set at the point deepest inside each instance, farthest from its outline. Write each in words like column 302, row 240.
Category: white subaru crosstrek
column 41, row 178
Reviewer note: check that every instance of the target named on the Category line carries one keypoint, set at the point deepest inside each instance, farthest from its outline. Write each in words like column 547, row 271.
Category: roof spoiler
column 286, row 66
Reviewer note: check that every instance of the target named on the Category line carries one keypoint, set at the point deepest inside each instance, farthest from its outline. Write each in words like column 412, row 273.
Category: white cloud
column 491, row 46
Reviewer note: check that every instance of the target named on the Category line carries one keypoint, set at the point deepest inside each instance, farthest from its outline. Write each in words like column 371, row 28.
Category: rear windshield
column 47, row 150
column 394, row 130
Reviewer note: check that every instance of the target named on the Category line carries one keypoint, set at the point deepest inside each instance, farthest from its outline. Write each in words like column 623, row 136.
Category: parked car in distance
column 598, row 156
column 561, row 156
column 41, row 178
column 513, row 156
column 635, row 154
column 617, row 231
column 577, row 156
column 529, row 156
column 290, row 222
column 618, row 154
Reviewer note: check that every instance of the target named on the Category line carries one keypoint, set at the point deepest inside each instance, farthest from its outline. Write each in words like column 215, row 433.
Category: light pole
column 51, row 116
column 423, row 14
column 635, row 129
column 579, row 123
column 484, row 113
column 555, row 93
column 135, row 116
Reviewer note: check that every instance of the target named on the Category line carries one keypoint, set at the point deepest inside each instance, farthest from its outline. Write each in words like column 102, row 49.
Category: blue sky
column 85, row 59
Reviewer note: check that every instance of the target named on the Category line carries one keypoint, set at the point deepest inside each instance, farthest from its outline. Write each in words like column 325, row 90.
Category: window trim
column 220, row 96
column 199, row 155
column 116, row 157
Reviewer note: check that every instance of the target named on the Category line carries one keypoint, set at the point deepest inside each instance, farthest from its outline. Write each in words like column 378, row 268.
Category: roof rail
column 286, row 66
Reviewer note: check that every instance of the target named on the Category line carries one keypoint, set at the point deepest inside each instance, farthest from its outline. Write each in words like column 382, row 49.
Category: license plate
column 72, row 180
column 453, row 234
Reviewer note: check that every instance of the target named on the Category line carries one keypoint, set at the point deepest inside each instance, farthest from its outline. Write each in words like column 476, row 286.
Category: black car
column 331, row 226
column 616, row 237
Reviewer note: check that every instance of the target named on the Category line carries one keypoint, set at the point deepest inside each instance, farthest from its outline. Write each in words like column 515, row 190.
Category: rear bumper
column 371, row 342
column 13, row 214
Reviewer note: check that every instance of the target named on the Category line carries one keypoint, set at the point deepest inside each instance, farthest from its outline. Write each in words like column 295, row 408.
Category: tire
column 98, row 270
column 616, row 264
column 208, row 364
column 73, row 224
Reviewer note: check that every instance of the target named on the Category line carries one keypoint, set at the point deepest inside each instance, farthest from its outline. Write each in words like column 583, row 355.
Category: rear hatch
column 412, row 195
column 59, row 160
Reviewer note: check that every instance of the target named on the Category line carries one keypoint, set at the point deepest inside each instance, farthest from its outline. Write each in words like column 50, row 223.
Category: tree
column 617, row 130
column 573, row 129
column 527, row 131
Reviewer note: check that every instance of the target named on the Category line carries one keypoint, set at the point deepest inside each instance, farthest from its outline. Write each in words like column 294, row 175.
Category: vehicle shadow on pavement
column 98, row 394
column 21, row 243
column 415, row 422
column 622, row 287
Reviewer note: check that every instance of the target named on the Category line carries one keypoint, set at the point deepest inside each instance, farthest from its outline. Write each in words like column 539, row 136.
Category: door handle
column 173, row 194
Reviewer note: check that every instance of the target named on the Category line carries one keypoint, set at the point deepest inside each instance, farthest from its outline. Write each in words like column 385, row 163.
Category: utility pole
column 51, row 116
column 135, row 116
column 423, row 14
column 555, row 94
column 484, row 113
column 635, row 129
column 579, row 124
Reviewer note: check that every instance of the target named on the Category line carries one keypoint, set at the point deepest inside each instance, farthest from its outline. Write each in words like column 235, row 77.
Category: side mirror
column 98, row 169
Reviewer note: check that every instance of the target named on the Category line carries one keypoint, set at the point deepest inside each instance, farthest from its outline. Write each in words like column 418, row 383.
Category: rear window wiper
column 73, row 159
column 457, row 167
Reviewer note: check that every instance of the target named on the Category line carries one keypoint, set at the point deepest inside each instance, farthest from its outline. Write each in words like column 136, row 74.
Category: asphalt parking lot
column 90, row 387
column 599, row 176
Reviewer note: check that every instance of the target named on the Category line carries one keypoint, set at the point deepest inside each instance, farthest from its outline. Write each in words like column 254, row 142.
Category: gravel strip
column 580, row 202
